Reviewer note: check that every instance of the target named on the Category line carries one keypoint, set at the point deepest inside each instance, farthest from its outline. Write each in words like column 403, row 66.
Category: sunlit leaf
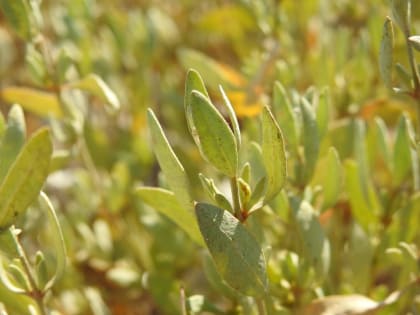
column 38, row 102
column 274, row 155
column 165, row 202
column 238, row 257
column 97, row 86
column 25, row 177
column 415, row 41
column 171, row 166
column 217, row 142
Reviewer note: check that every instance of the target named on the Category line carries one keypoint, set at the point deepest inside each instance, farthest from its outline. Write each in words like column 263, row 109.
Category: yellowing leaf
column 38, row 102
column 96, row 86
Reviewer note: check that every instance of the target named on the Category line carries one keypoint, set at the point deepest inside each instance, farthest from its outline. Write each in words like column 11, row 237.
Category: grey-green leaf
column 332, row 178
column 323, row 112
column 16, row 12
column 192, row 82
column 415, row 41
column 283, row 111
column 386, row 53
column 165, row 202
column 25, row 177
column 274, row 155
column 238, row 257
column 401, row 11
column 216, row 140
column 315, row 244
column 232, row 117
column 13, row 139
column 171, row 166
column 310, row 138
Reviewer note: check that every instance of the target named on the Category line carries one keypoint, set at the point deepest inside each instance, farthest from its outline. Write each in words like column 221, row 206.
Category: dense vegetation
column 218, row 157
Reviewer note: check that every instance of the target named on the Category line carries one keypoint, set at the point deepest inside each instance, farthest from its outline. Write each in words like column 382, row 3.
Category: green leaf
column 216, row 141
column 238, row 257
column 332, row 178
column 41, row 103
column 13, row 139
column 315, row 244
column 385, row 53
column 58, row 238
column 310, row 138
column 274, row 155
column 41, row 270
column 415, row 41
column 25, row 177
column 404, row 155
column 378, row 144
column 171, row 167
column 16, row 12
column 166, row 203
column 93, row 84
column 360, row 207
column 323, row 112
column 283, row 111
column 232, row 117
column 193, row 82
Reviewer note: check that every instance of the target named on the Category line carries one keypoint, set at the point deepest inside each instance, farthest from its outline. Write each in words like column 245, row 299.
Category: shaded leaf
column 401, row 11
column 171, row 166
column 385, row 53
column 323, row 112
column 25, row 177
column 165, row 202
column 238, row 257
column 38, row 102
column 274, row 155
column 217, row 142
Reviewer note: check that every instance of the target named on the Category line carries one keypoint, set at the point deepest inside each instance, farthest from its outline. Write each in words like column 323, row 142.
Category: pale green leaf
column 274, row 155
column 171, row 166
column 165, row 202
column 25, row 177
column 401, row 11
column 323, row 112
column 97, row 86
column 13, row 139
column 217, row 142
column 58, row 238
column 332, row 179
column 192, row 82
column 16, row 12
column 232, row 117
column 41, row 103
column 415, row 41
column 315, row 244
column 238, row 257
column 386, row 54
column 283, row 111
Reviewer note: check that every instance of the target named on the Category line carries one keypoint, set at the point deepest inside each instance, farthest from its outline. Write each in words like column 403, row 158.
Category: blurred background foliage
column 125, row 258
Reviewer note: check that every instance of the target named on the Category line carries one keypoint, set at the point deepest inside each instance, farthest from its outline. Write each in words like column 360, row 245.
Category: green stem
column 35, row 292
column 235, row 197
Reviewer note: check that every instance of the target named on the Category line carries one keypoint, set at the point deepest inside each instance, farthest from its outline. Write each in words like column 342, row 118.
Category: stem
column 183, row 304
column 35, row 292
column 261, row 307
column 235, row 197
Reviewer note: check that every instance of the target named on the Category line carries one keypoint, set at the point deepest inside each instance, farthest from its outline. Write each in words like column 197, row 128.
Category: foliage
column 222, row 157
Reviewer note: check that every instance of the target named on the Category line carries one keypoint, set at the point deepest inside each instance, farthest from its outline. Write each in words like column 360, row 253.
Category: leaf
column 401, row 11
column 217, row 142
column 385, row 53
column 232, row 117
column 415, row 41
column 310, row 138
column 166, row 203
column 274, row 155
column 315, row 244
column 94, row 84
column 171, row 167
column 378, row 144
column 25, row 177
column 13, row 139
column 340, row 304
column 323, row 112
column 41, row 103
column 360, row 207
column 283, row 111
column 333, row 177
column 198, row 303
column 58, row 240
column 238, row 257
column 193, row 82
column 404, row 156
column 16, row 12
